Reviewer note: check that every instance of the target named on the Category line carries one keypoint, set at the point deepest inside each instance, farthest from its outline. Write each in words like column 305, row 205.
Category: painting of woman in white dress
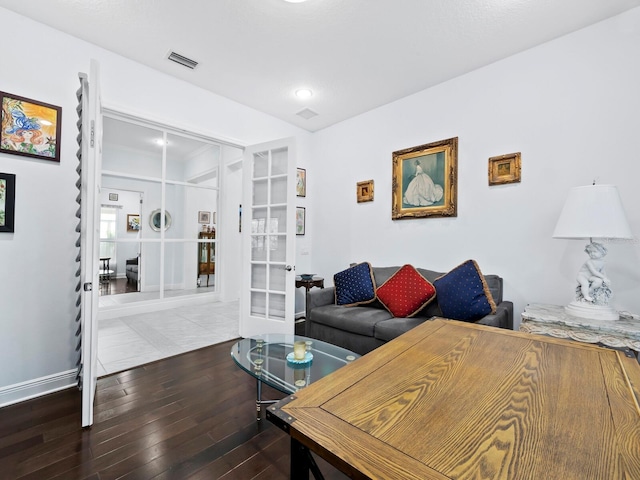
column 425, row 180
column 422, row 190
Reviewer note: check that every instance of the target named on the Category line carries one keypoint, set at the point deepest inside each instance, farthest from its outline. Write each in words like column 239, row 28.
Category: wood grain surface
column 464, row 401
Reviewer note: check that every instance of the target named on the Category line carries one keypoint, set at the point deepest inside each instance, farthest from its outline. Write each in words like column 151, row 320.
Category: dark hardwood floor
column 186, row 417
column 117, row 286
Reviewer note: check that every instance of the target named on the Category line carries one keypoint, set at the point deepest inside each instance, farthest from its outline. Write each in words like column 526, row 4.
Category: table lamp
column 593, row 211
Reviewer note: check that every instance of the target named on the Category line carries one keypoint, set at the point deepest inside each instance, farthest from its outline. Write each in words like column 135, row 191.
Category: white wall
column 570, row 106
column 38, row 261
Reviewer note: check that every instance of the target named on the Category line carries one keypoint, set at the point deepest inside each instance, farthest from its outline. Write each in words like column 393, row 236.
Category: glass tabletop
column 265, row 358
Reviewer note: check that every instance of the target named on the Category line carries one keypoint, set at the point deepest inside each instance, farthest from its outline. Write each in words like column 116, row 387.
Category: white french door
column 90, row 236
column 268, row 251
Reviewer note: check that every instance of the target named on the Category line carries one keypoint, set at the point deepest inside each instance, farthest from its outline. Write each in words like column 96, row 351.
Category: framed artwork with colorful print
column 30, row 128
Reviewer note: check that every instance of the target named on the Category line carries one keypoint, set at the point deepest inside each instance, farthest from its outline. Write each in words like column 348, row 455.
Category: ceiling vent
column 184, row 61
column 306, row 113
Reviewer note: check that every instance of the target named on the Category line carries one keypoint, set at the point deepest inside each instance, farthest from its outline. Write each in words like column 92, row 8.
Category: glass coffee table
column 265, row 358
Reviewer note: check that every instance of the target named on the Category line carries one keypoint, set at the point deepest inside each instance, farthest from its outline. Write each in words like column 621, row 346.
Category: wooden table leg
column 299, row 461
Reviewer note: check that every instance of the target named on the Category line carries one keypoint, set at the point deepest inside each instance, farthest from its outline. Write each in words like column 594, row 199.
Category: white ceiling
column 354, row 54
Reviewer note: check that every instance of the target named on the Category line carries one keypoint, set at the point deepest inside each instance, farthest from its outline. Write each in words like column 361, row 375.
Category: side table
column 308, row 285
column 105, row 272
column 554, row 321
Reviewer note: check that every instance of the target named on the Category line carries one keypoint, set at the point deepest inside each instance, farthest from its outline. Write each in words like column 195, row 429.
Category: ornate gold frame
column 442, row 156
column 505, row 169
column 364, row 191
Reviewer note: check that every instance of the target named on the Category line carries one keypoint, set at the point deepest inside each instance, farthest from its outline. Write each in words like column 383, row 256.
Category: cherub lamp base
column 591, row 311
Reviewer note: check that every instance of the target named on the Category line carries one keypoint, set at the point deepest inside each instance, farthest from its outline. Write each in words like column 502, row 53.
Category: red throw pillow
column 406, row 292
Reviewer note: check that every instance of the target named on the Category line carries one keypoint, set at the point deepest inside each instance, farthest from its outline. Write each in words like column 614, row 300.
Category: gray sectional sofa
column 366, row 327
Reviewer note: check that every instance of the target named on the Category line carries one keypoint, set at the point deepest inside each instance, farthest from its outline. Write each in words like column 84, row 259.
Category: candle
column 299, row 350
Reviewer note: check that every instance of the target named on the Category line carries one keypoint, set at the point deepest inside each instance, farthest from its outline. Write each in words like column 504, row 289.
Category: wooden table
column 452, row 400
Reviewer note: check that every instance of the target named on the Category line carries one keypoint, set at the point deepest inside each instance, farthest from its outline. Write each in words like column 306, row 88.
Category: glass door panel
column 191, row 160
column 177, row 180
column 258, row 277
column 132, row 149
column 269, row 275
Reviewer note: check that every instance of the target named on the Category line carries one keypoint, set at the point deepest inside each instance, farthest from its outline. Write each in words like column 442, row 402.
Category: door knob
column 288, row 268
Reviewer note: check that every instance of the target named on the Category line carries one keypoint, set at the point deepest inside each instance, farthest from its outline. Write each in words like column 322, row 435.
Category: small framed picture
column 504, row 169
column 30, row 128
column 133, row 222
column 113, row 197
column 7, row 202
column 301, row 182
column 364, row 191
column 204, row 217
column 300, row 220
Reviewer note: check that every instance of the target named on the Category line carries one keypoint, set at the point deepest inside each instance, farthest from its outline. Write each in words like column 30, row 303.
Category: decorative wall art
column 301, row 182
column 300, row 220
column 7, row 201
column 155, row 220
column 133, row 222
column 113, row 197
column 30, row 128
column 364, row 191
column 425, row 180
column 505, row 169
column 204, row 217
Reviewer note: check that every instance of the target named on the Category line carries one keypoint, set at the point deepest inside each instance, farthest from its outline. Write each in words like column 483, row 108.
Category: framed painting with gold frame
column 133, row 222
column 364, row 191
column 301, row 182
column 505, row 169
column 425, row 181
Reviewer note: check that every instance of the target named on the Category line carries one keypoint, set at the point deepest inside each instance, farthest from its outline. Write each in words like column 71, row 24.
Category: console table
column 105, row 272
column 554, row 321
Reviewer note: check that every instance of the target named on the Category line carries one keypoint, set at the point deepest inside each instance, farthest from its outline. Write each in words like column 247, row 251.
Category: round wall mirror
column 155, row 220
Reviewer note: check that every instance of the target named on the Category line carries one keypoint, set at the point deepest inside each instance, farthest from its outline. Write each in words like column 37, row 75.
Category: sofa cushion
column 354, row 286
column 406, row 292
column 463, row 293
column 359, row 320
column 387, row 330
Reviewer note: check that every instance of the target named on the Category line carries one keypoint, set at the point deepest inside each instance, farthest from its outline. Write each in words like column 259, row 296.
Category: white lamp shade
column 593, row 211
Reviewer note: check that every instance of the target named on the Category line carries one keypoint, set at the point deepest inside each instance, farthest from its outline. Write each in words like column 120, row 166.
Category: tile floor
column 127, row 342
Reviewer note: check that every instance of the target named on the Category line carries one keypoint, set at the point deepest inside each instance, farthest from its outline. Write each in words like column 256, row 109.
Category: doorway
column 119, row 261
column 168, row 183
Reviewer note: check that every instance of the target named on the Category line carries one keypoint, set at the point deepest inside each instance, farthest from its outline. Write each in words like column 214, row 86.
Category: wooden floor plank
column 189, row 416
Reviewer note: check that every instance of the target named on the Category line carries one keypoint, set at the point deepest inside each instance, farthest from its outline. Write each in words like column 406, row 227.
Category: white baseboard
column 37, row 387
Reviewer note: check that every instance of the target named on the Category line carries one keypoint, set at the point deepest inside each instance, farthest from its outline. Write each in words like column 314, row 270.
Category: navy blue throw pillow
column 355, row 285
column 463, row 293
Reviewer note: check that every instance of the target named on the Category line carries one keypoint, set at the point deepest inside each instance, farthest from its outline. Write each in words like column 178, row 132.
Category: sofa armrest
column 318, row 297
column 503, row 318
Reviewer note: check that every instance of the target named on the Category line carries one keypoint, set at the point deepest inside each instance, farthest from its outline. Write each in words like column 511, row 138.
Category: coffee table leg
column 258, row 399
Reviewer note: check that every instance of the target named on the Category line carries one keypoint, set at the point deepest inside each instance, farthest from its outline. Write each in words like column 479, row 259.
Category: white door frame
column 90, row 236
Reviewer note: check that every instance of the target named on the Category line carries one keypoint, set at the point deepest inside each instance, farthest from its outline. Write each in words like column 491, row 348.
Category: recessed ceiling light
column 295, row 1
column 303, row 92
